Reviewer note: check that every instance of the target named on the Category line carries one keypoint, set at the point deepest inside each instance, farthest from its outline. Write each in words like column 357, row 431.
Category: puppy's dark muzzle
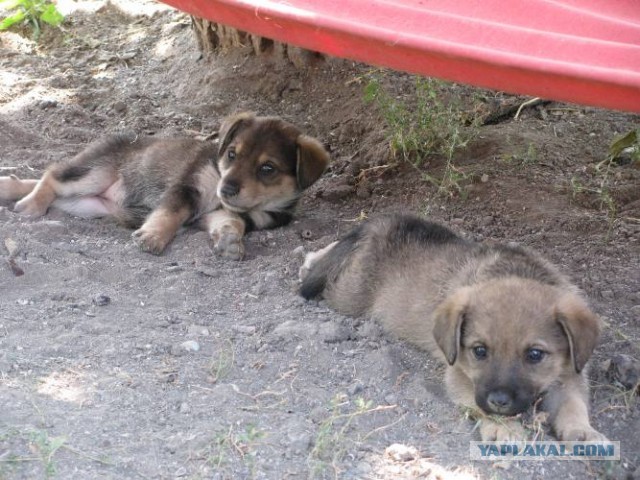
column 500, row 401
column 230, row 189
column 503, row 402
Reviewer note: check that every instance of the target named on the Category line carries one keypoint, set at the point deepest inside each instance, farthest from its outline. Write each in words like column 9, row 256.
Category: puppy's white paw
column 507, row 430
column 150, row 241
column 29, row 207
column 228, row 245
column 582, row 435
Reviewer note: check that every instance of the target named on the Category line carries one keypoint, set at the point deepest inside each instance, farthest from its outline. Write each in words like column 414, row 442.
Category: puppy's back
column 375, row 253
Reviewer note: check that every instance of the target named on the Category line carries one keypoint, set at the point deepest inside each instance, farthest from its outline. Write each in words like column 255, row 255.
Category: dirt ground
column 117, row 364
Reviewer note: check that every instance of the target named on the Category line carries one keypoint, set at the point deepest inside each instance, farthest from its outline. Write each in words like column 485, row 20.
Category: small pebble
column 298, row 251
column 607, row 294
column 48, row 103
column 190, row 346
column 120, row 107
column 101, row 300
column 11, row 246
column 247, row 329
column 198, row 331
column 318, row 414
column 401, row 453
column 355, row 389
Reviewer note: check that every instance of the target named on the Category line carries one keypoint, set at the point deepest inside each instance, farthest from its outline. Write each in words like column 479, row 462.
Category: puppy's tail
column 327, row 268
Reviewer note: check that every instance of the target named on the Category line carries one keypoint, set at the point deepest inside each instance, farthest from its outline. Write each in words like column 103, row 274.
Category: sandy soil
column 117, row 364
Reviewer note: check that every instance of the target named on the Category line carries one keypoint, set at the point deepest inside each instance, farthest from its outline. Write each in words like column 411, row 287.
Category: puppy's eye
column 534, row 355
column 231, row 154
column 266, row 169
column 480, row 352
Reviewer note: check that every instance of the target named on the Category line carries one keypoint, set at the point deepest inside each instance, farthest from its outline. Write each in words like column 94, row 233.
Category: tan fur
column 451, row 297
column 38, row 201
column 12, row 188
column 159, row 229
column 226, row 230
column 159, row 185
column 309, row 168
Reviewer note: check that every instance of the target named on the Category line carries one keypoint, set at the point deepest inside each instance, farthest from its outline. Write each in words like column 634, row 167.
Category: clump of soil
column 119, row 364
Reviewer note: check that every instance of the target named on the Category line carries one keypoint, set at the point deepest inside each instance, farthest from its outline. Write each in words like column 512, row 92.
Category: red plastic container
column 582, row 51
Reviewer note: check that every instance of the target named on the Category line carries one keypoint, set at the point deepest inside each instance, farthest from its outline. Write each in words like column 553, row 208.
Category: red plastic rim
column 581, row 51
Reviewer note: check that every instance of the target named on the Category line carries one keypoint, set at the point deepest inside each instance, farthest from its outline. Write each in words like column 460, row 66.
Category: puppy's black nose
column 230, row 188
column 499, row 401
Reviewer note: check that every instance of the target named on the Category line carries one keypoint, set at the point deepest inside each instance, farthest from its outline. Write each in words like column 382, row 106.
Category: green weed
column 332, row 442
column 630, row 142
column 627, row 147
column 222, row 364
column 229, row 444
column 47, row 447
column 523, row 157
column 30, row 12
column 43, row 447
column 606, row 201
column 433, row 124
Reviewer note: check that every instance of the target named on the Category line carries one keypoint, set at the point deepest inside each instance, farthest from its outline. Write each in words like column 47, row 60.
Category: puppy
column 512, row 330
column 252, row 180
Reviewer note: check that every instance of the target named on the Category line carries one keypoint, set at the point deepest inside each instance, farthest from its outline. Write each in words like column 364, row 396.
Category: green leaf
column 12, row 20
column 51, row 15
column 55, row 443
column 370, row 92
column 623, row 142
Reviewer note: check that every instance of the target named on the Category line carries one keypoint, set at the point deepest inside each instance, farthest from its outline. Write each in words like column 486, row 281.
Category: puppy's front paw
column 150, row 241
column 582, row 435
column 29, row 207
column 507, row 430
column 228, row 245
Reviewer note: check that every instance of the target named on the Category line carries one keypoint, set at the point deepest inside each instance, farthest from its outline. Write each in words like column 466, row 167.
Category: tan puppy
column 510, row 327
column 253, row 180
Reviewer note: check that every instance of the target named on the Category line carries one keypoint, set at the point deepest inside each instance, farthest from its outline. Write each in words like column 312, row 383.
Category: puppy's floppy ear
column 581, row 326
column 231, row 127
column 449, row 319
column 312, row 160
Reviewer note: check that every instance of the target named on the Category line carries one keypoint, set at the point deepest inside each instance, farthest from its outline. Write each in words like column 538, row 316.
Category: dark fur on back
column 407, row 229
column 403, row 230
column 100, row 153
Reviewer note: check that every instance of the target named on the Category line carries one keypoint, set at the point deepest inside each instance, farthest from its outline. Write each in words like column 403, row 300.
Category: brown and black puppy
column 512, row 330
column 252, row 180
